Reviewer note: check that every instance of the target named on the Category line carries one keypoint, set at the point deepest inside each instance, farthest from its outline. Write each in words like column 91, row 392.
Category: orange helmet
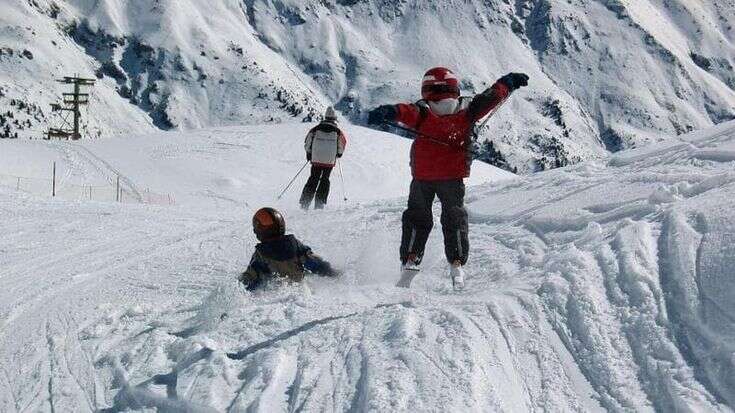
column 268, row 224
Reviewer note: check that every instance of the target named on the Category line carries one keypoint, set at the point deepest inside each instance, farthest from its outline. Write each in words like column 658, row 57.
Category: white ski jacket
column 324, row 144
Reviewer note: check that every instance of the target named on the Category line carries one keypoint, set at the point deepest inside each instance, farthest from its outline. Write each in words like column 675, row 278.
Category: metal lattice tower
column 71, row 103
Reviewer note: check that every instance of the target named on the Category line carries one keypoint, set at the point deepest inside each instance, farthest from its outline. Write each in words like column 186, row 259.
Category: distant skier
column 440, row 159
column 324, row 144
column 279, row 256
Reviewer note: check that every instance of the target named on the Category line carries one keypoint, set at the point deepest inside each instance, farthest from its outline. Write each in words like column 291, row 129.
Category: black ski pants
column 317, row 184
column 418, row 219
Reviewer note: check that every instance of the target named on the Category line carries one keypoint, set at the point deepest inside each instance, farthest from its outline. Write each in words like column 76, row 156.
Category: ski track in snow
column 594, row 287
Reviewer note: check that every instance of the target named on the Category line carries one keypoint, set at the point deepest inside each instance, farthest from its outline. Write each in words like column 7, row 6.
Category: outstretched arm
column 493, row 96
column 406, row 114
column 314, row 263
column 317, row 265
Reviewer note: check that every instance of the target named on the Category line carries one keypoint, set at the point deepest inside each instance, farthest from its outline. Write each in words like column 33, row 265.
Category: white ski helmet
column 330, row 114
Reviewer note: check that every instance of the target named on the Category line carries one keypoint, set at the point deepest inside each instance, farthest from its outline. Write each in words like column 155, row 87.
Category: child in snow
column 280, row 256
column 443, row 123
column 324, row 144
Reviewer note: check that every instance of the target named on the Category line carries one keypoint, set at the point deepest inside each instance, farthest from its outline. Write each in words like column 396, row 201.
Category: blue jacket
column 285, row 258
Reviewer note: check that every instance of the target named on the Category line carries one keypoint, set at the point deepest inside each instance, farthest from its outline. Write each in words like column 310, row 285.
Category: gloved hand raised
column 382, row 114
column 514, row 81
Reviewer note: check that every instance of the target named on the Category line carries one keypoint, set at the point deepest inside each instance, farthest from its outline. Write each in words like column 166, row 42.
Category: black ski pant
column 418, row 219
column 317, row 184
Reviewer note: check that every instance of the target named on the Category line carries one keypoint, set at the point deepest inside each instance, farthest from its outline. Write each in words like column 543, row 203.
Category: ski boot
column 457, row 274
column 408, row 271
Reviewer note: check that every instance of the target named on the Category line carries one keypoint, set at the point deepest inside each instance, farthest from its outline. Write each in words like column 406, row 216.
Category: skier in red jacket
column 443, row 123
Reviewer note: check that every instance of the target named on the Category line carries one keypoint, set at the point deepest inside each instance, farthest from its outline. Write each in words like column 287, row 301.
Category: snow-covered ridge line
column 606, row 75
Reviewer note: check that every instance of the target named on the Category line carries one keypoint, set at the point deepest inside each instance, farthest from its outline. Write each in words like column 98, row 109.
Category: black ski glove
column 514, row 81
column 382, row 114
column 308, row 156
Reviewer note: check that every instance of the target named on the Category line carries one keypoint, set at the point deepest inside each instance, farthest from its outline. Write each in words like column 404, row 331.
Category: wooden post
column 17, row 186
column 77, row 113
column 117, row 189
column 53, row 181
column 90, row 192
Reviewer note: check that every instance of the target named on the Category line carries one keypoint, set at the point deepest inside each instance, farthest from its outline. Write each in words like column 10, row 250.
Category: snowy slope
column 232, row 167
column 606, row 74
column 606, row 285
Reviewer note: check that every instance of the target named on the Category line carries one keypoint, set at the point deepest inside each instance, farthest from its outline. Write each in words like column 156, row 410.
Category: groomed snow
column 607, row 285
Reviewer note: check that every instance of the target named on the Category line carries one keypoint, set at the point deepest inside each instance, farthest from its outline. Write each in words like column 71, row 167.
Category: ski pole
column 292, row 180
column 429, row 138
column 342, row 178
column 416, row 133
column 492, row 113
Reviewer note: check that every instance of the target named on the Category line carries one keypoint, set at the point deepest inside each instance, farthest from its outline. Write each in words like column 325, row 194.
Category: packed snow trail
column 602, row 286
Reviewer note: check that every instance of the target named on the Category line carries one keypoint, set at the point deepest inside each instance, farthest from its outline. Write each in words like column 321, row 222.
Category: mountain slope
column 606, row 74
column 603, row 286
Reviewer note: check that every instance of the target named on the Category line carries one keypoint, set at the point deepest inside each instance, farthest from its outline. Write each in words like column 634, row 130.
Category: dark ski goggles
column 440, row 89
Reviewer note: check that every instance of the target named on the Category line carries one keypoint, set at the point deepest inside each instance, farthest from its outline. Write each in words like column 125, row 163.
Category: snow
column 216, row 167
column 605, row 75
column 602, row 286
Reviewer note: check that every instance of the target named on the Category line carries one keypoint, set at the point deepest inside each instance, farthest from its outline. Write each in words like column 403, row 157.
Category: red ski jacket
column 441, row 149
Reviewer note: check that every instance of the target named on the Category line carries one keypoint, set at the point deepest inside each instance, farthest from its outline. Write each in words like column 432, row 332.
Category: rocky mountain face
column 605, row 74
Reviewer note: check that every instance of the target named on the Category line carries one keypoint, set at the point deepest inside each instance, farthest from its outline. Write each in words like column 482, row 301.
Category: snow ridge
column 606, row 75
